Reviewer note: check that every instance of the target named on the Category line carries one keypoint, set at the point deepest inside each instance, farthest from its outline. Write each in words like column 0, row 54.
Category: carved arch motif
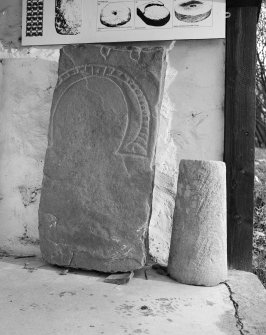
column 139, row 146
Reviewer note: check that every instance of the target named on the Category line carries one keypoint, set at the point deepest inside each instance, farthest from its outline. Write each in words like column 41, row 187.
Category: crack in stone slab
column 146, row 275
column 71, row 259
column 239, row 323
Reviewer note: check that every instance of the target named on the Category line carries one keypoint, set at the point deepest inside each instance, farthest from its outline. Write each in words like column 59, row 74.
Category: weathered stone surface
column 198, row 245
column 98, row 175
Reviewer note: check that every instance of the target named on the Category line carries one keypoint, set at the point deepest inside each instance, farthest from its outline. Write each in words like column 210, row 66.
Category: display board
column 91, row 21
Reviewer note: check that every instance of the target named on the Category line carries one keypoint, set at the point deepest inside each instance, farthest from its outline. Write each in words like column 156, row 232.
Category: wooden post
column 240, row 130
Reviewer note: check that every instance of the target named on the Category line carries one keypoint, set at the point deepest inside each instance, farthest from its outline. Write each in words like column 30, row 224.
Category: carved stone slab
column 198, row 246
column 98, row 174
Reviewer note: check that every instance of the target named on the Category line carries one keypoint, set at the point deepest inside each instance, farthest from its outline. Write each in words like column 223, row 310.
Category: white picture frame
column 48, row 22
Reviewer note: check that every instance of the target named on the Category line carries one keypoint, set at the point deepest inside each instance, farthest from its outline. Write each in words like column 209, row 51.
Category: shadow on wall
column 10, row 22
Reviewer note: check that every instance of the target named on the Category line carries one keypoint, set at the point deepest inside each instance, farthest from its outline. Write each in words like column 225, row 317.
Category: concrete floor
column 36, row 298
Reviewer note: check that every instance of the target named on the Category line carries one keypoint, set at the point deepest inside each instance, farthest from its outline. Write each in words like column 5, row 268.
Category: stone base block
column 198, row 251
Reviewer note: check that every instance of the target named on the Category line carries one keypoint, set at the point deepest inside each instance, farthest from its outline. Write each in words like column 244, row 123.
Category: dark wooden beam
column 239, row 133
column 243, row 3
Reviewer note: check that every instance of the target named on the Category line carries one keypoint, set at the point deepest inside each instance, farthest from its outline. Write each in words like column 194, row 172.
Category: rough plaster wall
column 27, row 80
column 191, row 126
column 26, row 89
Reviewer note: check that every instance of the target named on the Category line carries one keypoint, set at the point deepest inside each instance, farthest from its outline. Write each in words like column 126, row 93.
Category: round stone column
column 198, row 251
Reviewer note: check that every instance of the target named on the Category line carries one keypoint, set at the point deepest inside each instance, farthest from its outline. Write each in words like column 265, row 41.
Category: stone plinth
column 198, row 245
column 98, row 174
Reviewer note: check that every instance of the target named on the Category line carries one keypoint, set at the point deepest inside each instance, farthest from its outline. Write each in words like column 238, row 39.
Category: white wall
column 26, row 94
column 191, row 126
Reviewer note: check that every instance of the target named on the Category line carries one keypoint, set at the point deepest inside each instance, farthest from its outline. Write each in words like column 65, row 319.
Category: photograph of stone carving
column 34, row 18
column 153, row 13
column 68, row 17
column 115, row 14
column 79, row 21
column 192, row 11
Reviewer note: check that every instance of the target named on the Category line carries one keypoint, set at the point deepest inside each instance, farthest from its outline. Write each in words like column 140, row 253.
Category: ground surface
column 36, row 298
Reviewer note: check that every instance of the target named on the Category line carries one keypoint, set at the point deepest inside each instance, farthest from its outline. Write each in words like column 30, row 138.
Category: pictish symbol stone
column 98, row 171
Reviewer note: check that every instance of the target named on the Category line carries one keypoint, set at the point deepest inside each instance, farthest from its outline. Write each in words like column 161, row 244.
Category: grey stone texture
column 198, row 253
column 99, row 166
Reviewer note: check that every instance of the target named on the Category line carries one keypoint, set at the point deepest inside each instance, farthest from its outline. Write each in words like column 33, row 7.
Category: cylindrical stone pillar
column 198, row 250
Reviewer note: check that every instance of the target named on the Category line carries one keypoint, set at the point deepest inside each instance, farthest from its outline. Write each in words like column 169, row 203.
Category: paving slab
column 249, row 297
column 37, row 298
